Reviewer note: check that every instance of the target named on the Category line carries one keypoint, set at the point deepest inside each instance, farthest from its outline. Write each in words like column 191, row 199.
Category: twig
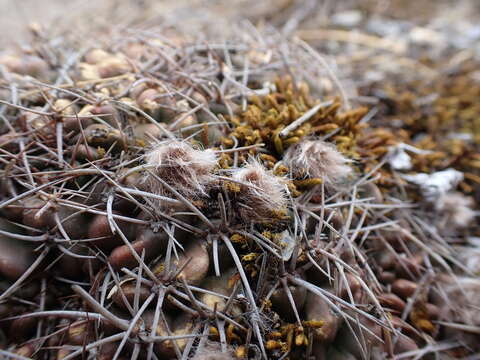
column 304, row 117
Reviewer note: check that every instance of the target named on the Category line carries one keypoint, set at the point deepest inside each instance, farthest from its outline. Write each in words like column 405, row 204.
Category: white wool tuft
column 213, row 351
column 436, row 184
column 466, row 308
column 456, row 209
column 470, row 258
column 261, row 191
column 183, row 167
column 213, row 355
column 317, row 159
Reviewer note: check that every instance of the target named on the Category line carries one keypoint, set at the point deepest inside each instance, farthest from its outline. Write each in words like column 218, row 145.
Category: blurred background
column 85, row 18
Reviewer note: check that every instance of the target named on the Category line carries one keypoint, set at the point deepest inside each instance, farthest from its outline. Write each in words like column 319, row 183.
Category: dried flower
column 317, row 159
column 179, row 164
column 261, row 194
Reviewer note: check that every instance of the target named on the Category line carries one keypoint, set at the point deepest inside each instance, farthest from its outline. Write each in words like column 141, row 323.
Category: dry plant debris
column 166, row 199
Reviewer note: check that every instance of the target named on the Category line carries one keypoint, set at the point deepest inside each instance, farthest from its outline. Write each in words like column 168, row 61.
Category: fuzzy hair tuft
column 317, row 159
column 261, row 192
column 456, row 210
column 466, row 307
column 213, row 351
column 182, row 166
